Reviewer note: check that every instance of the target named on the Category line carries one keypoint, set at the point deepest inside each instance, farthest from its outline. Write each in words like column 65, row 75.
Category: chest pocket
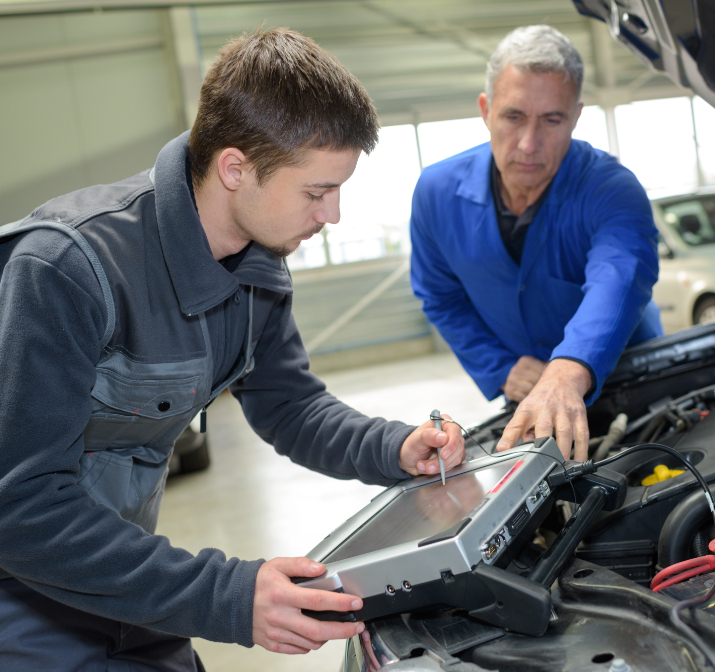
column 137, row 415
column 128, row 412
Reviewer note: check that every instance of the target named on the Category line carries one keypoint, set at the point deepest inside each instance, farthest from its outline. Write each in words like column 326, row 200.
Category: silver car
column 685, row 291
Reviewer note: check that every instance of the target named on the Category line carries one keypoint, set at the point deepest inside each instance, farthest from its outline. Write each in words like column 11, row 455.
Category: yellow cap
column 661, row 473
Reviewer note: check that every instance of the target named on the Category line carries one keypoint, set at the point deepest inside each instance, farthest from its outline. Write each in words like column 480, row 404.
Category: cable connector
column 568, row 474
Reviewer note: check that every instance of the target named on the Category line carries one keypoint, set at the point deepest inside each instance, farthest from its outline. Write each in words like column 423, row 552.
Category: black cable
column 590, row 467
column 687, row 630
column 467, row 435
column 507, row 455
column 675, row 619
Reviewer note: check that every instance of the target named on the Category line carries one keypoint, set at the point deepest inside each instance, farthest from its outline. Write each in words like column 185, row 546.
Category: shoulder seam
column 128, row 200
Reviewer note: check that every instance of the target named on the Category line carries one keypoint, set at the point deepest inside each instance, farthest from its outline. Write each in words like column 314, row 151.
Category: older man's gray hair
column 536, row 49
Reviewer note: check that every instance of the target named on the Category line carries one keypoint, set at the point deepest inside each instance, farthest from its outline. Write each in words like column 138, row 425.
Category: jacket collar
column 201, row 282
column 474, row 186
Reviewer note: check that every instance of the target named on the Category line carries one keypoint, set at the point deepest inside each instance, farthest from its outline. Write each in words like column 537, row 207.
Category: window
column 375, row 206
column 442, row 139
column 692, row 219
column 655, row 138
column 705, row 131
column 591, row 127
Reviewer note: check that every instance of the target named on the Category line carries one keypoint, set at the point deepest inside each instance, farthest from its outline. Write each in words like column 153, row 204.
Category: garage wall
column 85, row 98
column 389, row 323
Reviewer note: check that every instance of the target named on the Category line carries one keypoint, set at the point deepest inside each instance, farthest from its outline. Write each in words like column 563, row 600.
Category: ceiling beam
column 77, row 51
column 32, row 7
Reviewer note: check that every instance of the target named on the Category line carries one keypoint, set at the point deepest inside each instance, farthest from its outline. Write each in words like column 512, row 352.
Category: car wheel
column 196, row 460
column 705, row 311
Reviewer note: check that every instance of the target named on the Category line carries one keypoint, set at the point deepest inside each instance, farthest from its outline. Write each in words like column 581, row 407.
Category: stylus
column 437, row 418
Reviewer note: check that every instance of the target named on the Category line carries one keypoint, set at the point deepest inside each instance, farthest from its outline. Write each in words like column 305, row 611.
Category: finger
column 518, row 425
column 434, row 438
column 453, row 449
column 430, row 466
column 298, row 566
column 453, row 456
column 281, row 647
column 581, row 438
column 280, row 640
column 544, row 426
column 564, row 436
column 314, row 630
column 326, row 600
column 515, row 392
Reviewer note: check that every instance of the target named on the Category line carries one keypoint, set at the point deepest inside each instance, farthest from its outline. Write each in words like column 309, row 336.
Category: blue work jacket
column 583, row 289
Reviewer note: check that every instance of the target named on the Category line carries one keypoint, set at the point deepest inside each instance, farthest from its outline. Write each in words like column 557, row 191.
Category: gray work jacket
column 116, row 327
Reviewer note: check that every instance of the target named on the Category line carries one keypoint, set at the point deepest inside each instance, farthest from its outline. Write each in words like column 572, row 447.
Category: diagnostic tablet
column 421, row 543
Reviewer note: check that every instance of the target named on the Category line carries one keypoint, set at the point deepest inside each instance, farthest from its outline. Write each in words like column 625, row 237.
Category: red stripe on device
column 506, row 477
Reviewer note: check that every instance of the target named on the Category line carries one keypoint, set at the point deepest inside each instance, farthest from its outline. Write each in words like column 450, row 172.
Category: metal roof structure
column 420, row 60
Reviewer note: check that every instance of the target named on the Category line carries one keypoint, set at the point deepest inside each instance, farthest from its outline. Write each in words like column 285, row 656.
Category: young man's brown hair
column 274, row 94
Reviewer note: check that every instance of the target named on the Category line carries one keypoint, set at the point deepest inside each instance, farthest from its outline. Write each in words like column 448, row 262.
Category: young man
column 125, row 309
column 535, row 255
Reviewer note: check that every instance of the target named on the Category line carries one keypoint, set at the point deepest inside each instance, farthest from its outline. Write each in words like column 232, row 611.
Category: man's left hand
column 555, row 405
column 418, row 454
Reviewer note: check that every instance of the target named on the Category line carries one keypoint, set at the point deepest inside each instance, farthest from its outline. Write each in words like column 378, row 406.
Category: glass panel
column 655, row 138
column 442, row 139
column 693, row 220
column 705, row 127
column 592, row 128
column 310, row 254
column 422, row 512
column 376, row 201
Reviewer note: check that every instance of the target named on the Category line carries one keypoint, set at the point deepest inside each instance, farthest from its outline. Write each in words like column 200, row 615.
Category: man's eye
column 554, row 121
column 315, row 197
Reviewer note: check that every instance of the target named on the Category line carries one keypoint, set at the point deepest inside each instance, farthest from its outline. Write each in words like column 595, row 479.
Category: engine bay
column 604, row 615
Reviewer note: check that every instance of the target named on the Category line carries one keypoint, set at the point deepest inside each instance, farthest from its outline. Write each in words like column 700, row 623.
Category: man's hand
column 279, row 625
column 555, row 404
column 418, row 454
column 522, row 378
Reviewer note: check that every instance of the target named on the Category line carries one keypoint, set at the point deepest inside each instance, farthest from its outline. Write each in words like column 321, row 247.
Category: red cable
column 695, row 566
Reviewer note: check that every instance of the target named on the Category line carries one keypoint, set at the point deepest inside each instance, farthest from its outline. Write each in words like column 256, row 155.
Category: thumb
column 433, row 438
column 298, row 566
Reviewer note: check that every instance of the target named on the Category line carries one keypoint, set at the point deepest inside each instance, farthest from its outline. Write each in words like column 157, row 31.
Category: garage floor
column 252, row 503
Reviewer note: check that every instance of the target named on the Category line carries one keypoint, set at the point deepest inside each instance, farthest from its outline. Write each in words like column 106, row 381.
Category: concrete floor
column 252, row 503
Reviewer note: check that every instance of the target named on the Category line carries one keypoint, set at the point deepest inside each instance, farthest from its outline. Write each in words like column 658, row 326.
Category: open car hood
column 675, row 37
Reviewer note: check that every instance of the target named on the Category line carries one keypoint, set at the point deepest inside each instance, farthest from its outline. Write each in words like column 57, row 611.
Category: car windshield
column 693, row 219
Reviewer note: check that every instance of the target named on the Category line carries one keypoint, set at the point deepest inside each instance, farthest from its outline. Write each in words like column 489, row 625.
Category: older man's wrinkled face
column 531, row 117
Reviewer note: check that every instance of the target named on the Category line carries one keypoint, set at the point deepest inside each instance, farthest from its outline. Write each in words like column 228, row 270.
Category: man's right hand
column 522, row 378
column 279, row 625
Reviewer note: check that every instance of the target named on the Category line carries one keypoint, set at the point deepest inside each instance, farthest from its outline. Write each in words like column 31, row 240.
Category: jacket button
column 522, row 288
column 237, row 297
column 164, row 406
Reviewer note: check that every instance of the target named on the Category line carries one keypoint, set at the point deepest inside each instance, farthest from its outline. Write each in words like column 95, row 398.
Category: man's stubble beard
column 282, row 251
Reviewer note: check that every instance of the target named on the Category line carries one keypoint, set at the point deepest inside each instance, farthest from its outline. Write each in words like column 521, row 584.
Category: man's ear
column 232, row 167
column 483, row 101
column 579, row 109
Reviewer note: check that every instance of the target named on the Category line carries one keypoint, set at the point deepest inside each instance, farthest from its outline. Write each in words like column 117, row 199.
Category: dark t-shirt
column 512, row 228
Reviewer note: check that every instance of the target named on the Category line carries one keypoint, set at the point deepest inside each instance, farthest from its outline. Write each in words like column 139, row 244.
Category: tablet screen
column 422, row 512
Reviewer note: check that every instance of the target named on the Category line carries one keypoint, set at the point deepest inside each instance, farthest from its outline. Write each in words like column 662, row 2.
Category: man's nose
column 528, row 140
column 329, row 211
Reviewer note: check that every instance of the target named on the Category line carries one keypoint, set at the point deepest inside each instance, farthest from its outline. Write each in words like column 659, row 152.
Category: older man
column 535, row 254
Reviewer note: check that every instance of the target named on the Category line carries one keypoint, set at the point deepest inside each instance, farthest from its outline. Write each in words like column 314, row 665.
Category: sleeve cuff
column 594, row 379
column 242, row 603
